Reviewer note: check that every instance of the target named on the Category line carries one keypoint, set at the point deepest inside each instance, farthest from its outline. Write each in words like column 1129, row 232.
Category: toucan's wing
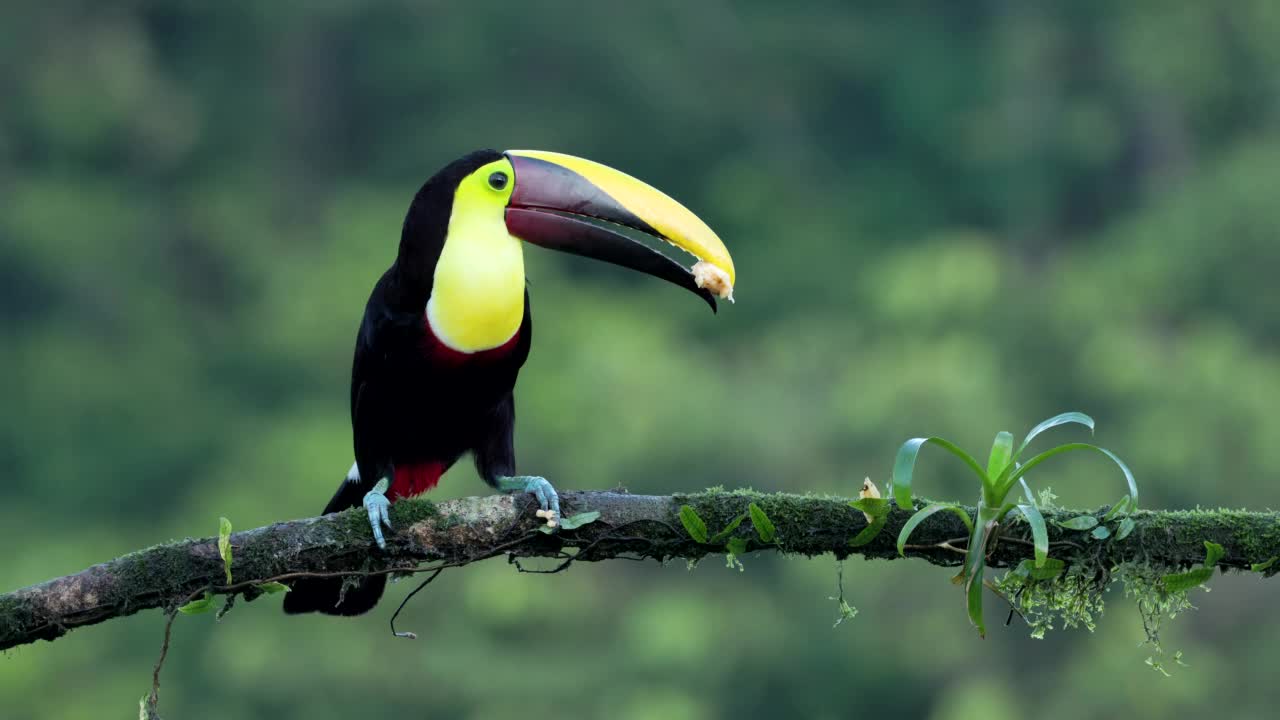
column 378, row 343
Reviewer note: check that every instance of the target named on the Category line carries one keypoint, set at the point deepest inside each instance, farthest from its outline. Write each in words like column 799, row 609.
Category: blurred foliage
column 947, row 218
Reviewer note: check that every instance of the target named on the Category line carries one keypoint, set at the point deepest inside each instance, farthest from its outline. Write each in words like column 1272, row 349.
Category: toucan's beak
column 571, row 204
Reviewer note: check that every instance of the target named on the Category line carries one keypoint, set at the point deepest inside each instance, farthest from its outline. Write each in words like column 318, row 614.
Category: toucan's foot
column 378, row 507
column 548, row 499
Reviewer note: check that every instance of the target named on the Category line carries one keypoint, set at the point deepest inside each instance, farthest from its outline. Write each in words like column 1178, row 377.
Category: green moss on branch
column 470, row 529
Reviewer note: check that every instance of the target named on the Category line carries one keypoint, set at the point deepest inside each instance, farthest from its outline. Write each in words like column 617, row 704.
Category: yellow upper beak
column 612, row 195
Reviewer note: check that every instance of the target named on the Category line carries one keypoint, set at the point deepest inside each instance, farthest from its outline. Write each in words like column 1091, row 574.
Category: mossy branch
column 458, row 532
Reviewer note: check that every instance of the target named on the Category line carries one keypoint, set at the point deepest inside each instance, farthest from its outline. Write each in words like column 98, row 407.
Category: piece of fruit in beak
column 713, row 279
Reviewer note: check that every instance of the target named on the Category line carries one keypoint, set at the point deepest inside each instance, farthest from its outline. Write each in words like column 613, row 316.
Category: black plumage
column 416, row 405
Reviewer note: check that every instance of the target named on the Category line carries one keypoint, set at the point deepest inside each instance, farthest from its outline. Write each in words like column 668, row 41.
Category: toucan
column 447, row 327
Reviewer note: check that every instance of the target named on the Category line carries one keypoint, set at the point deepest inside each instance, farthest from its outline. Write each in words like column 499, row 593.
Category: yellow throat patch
column 477, row 298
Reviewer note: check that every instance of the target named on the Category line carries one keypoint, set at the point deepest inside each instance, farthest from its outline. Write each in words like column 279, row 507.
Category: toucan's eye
column 498, row 180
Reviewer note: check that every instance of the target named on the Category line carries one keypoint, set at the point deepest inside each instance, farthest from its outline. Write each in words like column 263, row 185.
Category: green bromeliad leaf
column 1039, row 532
column 1067, row 417
column 1001, row 456
column 923, row 514
column 904, row 466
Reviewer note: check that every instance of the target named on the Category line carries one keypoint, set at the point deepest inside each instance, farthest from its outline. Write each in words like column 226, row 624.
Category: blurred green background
column 948, row 218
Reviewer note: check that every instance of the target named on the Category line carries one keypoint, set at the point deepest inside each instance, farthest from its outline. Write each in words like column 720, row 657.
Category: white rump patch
column 353, row 475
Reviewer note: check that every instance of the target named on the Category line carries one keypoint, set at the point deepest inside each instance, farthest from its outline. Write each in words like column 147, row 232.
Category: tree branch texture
column 457, row 532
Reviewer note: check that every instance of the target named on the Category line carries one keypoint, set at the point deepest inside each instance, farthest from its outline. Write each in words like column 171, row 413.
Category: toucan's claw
column 548, row 498
column 378, row 507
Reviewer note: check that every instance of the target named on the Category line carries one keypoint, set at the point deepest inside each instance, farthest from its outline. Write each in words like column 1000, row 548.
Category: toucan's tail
column 326, row 595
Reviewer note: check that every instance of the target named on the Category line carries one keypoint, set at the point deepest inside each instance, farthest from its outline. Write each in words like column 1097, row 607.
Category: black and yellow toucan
column 447, row 327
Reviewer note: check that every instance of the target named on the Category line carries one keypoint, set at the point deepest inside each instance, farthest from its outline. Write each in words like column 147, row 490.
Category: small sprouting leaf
column 1053, row 422
column 693, row 524
column 1039, row 532
column 1192, row 578
column 1080, row 522
column 199, row 605
column 574, row 522
column 1101, row 533
column 764, row 526
column 271, row 588
column 869, row 532
column 875, row 507
column 728, row 530
column 1120, row 508
column 905, row 463
column 1001, row 454
column 1126, row 527
column 224, row 545
column 1263, row 566
column 1213, row 552
column 921, row 515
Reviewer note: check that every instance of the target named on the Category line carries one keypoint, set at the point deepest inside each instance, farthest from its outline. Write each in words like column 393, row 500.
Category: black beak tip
column 711, row 300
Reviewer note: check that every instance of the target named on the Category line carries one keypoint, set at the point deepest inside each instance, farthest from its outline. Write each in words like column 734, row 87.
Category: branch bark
column 457, row 532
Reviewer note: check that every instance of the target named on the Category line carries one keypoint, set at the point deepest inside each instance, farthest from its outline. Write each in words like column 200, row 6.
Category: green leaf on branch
column 271, row 588
column 878, row 511
column 1067, row 417
column 1101, row 533
column 1122, row 507
column 728, row 530
column 1039, row 532
column 1126, row 527
column 870, row 532
column 1051, row 569
column 905, row 463
column 923, row 514
column 1193, row 578
column 1263, row 566
column 763, row 525
column 875, row 507
column 199, row 605
column 1006, row 481
column 693, row 524
column 573, row 522
column 1213, row 552
column 1001, row 456
column 1080, row 522
column 974, row 592
column 224, row 545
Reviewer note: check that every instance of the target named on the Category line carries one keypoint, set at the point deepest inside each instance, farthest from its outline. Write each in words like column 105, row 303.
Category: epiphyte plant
column 1004, row 471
